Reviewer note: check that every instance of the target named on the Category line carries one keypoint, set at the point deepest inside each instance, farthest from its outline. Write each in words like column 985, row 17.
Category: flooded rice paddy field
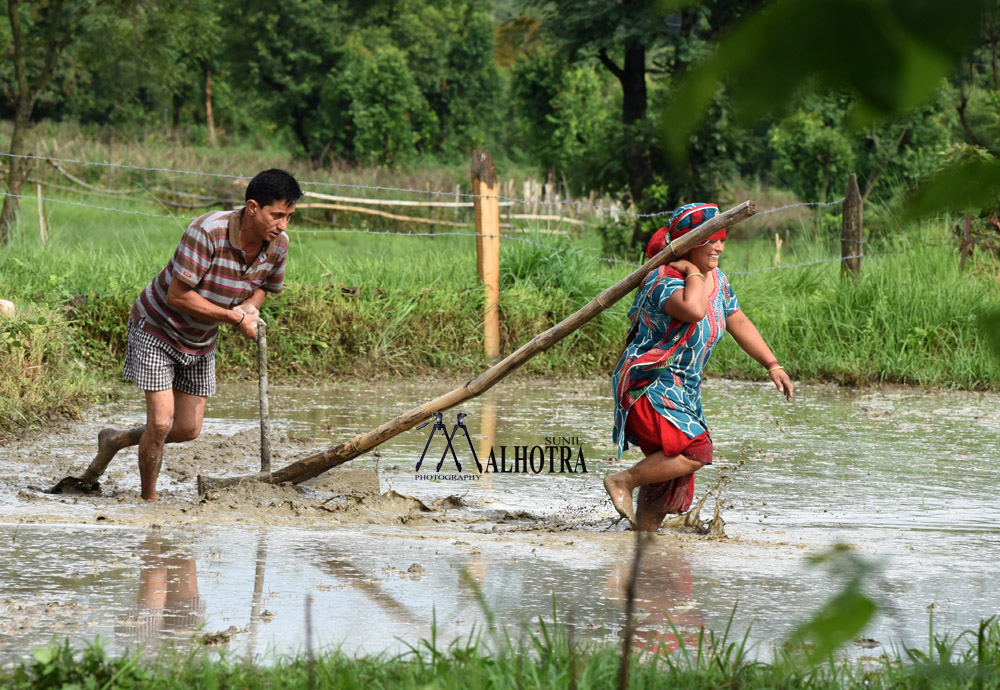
column 906, row 477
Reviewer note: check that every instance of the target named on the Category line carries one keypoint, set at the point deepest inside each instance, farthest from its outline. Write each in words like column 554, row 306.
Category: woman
column 680, row 313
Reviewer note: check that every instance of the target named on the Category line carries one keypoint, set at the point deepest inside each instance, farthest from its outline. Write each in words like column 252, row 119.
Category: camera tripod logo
column 439, row 426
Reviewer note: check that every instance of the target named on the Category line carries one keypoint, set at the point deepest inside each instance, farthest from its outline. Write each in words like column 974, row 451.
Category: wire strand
column 575, row 204
column 94, row 206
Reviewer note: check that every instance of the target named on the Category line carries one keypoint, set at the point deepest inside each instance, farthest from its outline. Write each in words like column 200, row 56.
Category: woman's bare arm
column 747, row 337
column 689, row 304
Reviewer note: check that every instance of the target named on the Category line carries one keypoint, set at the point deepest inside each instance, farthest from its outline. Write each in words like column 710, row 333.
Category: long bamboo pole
column 397, row 202
column 320, row 462
column 384, row 214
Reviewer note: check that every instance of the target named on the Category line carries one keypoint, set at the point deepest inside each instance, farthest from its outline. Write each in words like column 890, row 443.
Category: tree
column 638, row 42
column 40, row 33
column 619, row 35
column 567, row 116
column 811, row 153
column 280, row 56
column 890, row 55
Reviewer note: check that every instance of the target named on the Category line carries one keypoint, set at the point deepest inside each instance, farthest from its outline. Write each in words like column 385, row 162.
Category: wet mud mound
column 347, row 481
column 348, row 495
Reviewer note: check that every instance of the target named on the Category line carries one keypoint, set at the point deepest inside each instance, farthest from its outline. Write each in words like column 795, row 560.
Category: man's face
column 271, row 220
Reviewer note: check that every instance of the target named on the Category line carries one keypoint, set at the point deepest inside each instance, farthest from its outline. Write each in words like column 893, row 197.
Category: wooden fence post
column 851, row 237
column 43, row 231
column 487, row 213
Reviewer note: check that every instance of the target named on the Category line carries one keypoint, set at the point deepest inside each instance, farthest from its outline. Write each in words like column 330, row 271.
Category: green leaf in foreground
column 842, row 618
column 964, row 187
column 891, row 54
column 839, row 621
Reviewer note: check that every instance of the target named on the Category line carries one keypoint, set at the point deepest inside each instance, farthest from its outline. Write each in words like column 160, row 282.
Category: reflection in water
column 167, row 603
column 362, row 582
column 487, row 433
column 665, row 607
column 258, row 594
column 487, row 424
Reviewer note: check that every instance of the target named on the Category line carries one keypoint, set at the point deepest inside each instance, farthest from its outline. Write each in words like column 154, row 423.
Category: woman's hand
column 684, row 267
column 782, row 382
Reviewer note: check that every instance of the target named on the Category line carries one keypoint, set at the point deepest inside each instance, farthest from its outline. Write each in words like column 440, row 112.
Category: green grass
column 548, row 659
column 911, row 318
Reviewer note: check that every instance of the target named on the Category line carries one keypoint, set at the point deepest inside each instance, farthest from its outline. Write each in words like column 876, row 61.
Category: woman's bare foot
column 621, row 497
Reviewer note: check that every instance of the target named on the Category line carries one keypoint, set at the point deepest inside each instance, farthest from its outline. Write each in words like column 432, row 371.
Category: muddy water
column 906, row 477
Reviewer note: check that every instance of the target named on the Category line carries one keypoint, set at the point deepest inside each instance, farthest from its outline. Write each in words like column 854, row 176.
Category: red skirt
column 653, row 432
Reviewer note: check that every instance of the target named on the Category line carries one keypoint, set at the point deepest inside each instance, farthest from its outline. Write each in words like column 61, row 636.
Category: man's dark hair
column 273, row 185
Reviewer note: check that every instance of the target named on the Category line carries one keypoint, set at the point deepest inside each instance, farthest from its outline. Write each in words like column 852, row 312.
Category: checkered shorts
column 155, row 366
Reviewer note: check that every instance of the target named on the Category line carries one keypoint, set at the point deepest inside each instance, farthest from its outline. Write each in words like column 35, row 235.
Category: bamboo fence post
column 487, row 212
column 43, row 232
column 967, row 226
column 319, row 462
column 851, row 238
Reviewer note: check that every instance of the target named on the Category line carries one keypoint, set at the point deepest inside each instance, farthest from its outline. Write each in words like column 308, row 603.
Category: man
column 225, row 264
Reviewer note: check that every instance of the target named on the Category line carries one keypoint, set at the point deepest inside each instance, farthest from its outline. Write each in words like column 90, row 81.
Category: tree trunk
column 632, row 77
column 18, row 169
column 302, row 132
column 209, row 115
column 634, row 101
column 58, row 31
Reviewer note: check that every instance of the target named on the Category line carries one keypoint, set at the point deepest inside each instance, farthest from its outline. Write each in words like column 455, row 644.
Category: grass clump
column 34, row 352
column 550, row 658
column 911, row 317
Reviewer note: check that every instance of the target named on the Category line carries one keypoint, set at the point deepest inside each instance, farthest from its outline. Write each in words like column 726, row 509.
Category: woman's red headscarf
column 682, row 221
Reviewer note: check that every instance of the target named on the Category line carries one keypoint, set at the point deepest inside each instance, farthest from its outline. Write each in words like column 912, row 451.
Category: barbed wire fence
column 560, row 203
column 462, row 200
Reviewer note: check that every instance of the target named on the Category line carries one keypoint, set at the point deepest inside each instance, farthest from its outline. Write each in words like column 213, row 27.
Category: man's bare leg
column 109, row 442
column 171, row 417
column 186, row 427
column 655, row 467
column 189, row 412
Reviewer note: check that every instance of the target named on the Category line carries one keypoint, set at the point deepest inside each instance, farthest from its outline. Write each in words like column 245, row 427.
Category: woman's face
column 706, row 257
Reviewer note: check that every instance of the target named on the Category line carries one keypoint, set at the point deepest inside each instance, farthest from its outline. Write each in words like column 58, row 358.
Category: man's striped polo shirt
column 209, row 259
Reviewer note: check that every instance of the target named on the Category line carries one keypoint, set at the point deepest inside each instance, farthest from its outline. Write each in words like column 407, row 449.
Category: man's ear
column 252, row 206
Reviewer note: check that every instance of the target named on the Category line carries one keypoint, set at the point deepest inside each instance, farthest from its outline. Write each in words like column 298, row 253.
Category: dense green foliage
column 580, row 92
